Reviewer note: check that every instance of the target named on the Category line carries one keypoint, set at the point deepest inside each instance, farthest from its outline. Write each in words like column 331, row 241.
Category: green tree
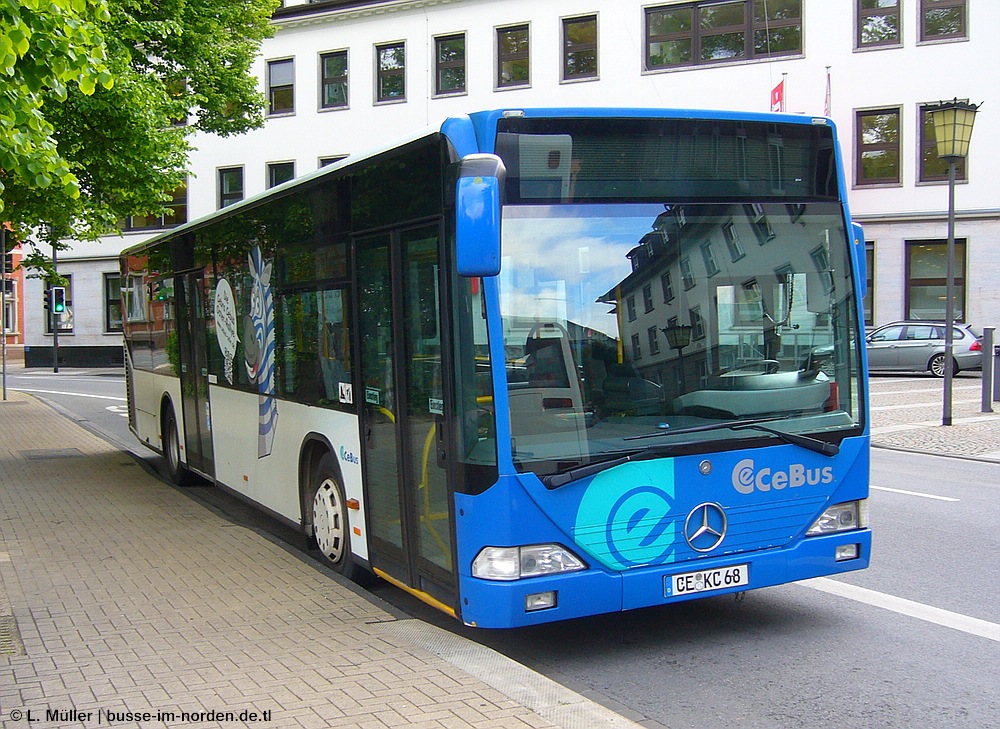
column 167, row 68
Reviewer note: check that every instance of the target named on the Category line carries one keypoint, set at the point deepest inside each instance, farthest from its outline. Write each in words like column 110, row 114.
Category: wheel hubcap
column 328, row 521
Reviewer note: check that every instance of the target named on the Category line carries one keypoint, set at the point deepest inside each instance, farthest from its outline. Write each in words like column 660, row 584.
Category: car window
column 958, row 333
column 889, row 334
column 923, row 331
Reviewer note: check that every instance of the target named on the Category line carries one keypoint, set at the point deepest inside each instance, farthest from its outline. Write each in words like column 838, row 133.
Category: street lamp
column 952, row 132
column 678, row 337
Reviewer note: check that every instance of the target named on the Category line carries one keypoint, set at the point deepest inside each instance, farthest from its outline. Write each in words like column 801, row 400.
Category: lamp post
column 953, row 122
column 678, row 337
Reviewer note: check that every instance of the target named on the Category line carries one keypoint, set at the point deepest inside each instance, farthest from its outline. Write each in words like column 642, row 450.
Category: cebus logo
column 746, row 477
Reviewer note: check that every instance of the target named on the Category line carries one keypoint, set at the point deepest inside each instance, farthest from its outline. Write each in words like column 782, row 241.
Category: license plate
column 689, row 583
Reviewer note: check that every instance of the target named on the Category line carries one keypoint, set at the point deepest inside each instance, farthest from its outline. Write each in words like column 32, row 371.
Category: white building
column 345, row 75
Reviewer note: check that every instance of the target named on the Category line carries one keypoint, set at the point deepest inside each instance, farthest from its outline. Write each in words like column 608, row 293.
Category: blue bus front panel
column 725, row 522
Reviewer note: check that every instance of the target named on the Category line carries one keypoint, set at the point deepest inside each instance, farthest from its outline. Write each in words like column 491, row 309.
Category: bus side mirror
column 477, row 210
column 859, row 249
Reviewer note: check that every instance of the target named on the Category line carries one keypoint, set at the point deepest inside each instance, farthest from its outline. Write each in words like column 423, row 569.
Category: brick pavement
column 907, row 412
column 122, row 594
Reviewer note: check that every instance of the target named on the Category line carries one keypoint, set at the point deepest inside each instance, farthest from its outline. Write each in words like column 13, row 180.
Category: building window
column 281, row 86
column 324, row 161
column 66, row 318
column 10, row 325
column 868, row 302
column 757, row 215
column 112, row 302
column 942, row 19
column 647, row 297
column 711, row 32
column 449, row 61
column 579, row 48
column 333, row 80
column 230, row 186
column 708, row 255
column 630, row 307
column 279, row 172
column 390, row 72
column 927, row 279
column 877, row 23
column 932, row 167
column 733, row 243
column 687, row 275
column 877, row 147
column 667, row 284
column 636, row 349
column 512, row 56
column 654, row 342
column 176, row 214
column 697, row 323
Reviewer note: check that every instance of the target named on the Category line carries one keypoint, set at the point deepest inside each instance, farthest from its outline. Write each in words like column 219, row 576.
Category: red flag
column 828, row 104
column 778, row 97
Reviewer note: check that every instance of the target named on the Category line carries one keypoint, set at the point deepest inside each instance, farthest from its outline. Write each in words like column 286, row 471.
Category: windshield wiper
column 804, row 441
column 555, row 480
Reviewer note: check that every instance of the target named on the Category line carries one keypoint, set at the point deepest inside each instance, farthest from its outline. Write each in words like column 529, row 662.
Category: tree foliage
column 110, row 91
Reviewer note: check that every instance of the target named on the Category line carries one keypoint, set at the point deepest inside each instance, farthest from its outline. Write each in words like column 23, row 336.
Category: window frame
column 860, row 147
column 272, row 88
column 384, row 74
column 569, row 50
column 273, row 167
column 505, row 58
column 112, row 303
column 224, row 199
column 927, row 6
column 861, row 14
column 442, row 66
column 324, row 80
column 178, row 202
column 696, row 35
column 961, row 275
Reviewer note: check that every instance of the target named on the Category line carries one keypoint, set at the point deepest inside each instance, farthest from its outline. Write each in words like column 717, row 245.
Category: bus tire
column 331, row 527
column 179, row 475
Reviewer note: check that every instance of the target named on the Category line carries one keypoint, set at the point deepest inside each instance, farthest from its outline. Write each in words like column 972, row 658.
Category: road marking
column 934, row 390
column 75, row 394
column 905, row 406
column 912, row 493
column 945, row 618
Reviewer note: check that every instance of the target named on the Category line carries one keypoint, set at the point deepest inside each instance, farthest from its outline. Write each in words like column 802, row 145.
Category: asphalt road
column 914, row 641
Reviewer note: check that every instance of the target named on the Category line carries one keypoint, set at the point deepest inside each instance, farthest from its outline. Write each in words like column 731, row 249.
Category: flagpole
column 784, row 91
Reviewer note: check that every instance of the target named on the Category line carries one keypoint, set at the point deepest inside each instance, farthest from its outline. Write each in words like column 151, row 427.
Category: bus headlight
column 844, row 517
column 514, row 563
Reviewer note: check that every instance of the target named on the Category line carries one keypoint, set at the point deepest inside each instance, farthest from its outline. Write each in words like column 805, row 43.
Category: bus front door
column 193, row 351
column 403, row 413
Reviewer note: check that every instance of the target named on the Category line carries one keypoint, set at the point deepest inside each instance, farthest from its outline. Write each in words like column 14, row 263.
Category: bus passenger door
column 403, row 414
column 193, row 352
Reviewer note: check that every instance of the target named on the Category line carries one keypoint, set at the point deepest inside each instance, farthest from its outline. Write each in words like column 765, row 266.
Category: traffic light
column 57, row 299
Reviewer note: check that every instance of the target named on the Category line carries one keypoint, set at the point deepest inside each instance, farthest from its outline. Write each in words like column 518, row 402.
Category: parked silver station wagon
column 918, row 346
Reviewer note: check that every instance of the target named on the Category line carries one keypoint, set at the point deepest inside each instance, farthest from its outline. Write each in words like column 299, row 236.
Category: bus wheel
column 172, row 450
column 329, row 518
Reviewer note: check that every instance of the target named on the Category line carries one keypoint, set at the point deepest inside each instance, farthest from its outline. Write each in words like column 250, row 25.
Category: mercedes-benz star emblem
column 705, row 527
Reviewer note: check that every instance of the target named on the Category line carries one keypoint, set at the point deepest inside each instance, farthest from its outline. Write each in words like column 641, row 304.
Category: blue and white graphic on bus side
column 258, row 348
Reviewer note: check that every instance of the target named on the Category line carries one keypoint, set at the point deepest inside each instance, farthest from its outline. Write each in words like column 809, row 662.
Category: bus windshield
column 627, row 319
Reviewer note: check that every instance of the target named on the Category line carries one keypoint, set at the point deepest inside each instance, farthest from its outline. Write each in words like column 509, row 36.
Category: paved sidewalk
column 906, row 415
column 119, row 594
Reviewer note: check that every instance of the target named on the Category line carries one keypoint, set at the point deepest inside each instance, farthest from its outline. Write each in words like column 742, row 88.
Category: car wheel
column 331, row 528
column 937, row 365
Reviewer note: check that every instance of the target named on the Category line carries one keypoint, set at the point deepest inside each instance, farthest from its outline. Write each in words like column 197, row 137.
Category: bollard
column 989, row 370
column 996, row 373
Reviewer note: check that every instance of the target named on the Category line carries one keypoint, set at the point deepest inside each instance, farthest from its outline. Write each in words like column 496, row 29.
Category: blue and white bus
column 530, row 365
